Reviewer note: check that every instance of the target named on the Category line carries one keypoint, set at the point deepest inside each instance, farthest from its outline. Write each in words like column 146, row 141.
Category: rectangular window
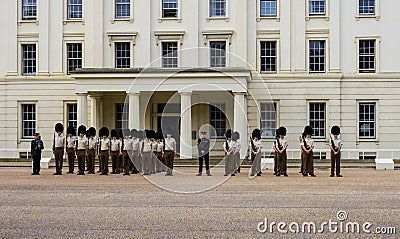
column 318, row 119
column 29, row 10
column 366, row 56
column 217, row 53
column 170, row 54
column 122, row 55
column 267, row 8
column 317, row 7
column 218, row 120
column 367, row 120
column 317, row 56
column 72, row 115
column 74, row 9
column 268, row 56
column 169, row 8
column 74, row 56
column 366, row 7
column 28, row 120
column 217, row 8
column 28, row 59
column 268, row 119
column 121, row 116
column 122, row 8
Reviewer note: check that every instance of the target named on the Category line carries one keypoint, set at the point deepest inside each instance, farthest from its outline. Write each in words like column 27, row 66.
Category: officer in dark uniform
column 36, row 152
column 203, row 146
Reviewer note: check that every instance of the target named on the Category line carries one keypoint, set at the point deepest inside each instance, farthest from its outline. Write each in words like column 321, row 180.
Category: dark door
column 172, row 124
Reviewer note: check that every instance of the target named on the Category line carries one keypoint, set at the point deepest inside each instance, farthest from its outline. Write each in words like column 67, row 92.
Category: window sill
column 366, row 140
column 128, row 19
column 74, row 21
column 268, row 72
column 377, row 17
column 20, row 22
column 322, row 17
column 165, row 19
column 276, row 18
column 366, row 73
column 226, row 19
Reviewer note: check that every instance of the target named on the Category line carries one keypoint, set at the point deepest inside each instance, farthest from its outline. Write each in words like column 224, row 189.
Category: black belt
column 168, row 151
column 81, row 150
column 104, row 150
column 58, row 147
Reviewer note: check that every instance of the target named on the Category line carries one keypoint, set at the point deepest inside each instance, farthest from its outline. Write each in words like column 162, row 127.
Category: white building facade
column 236, row 64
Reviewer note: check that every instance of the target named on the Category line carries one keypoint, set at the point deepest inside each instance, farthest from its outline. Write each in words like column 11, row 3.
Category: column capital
column 82, row 94
column 133, row 93
column 185, row 92
column 239, row 93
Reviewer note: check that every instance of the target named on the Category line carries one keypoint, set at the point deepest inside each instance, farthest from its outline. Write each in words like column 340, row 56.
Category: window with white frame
column 28, row 59
column 317, row 56
column 366, row 7
column 169, row 54
column 316, row 7
column 72, row 115
column 268, row 119
column 121, row 116
column 317, row 119
column 28, row 112
column 367, row 120
column 267, row 56
column 367, row 56
column 268, row 8
column 122, row 54
column 74, row 9
column 218, row 120
column 74, row 56
column 217, row 8
column 122, row 9
column 169, row 8
column 29, row 10
column 217, row 53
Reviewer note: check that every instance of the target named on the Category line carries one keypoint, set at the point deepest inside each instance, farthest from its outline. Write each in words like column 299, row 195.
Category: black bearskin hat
column 134, row 133
column 308, row 130
column 71, row 130
column 140, row 134
column 228, row 134
column 120, row 135
column 59, row 128
column 126, row 133
column 81, row 129
column 256, row 133
column 91, row 132
column 114, row 133
column 235, row 135
column 335, row 130
column 159, row 135
column 282, row 131
column 152, row 134
column 277, row 132
column 104, row 132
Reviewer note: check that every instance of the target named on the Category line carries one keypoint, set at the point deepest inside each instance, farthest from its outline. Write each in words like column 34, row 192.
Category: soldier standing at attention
column 154, row 152
column 236, row 152
column 280, row 149
column 307, row 155
column 335, row 146
column 135, row 159
column 228, row 148
column 104, row 150
column 58, row 148
column 160, row 164
column 203, row 147
column 126, row 151
column 92, row 146
column 147, row 153
column 255, row 149
column 115, row 151
column 81, row 149
column 70, row 148
column 36, row 152
column 169, row 153
column 275, row 152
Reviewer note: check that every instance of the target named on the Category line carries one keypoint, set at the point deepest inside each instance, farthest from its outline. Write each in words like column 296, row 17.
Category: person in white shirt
column 70, row 148
column 255, row 149
column 169, row 153
column 92, row 148
column 147, row 153
column 136, row 165
column 280, row 148
column 307, row 155
column 58, row 148
column 229, row 148
column 336, row 146
column 81, row 149
column 154, row 152
column 104, row 150
column 236, row 152
column 115, row 145
column 160, row 164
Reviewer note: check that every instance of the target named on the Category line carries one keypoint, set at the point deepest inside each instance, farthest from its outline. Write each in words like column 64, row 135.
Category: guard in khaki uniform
column 127, row 151
column 280, row 147
column 229, row 149
column 169, row 153
column 307, row 155
column 121, row 160
column 275, row 152
column 104, row 150
column 147, row 153
column 92, row 149
column 81, row 149
column 115, row 151
column 255, row 149
column 135, row 158
column 335, row 146
column 236, row 152
column 58, row 148
column 154, row 152
column 160, row 163
column 70, row 148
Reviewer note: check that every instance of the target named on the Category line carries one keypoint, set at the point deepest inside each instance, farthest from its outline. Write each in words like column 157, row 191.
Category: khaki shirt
column 154, row 145
column 82, row 142
column 309, row 142
column 128, row 144
column 230, row 144
column 92, row 142
column 147, row 146
column 337, row 142
column 115, row 144
column 104, row 144
column 160, row 147
column 71, row 142
column 257, row 144
column 170, row 144
column 59, row 141
column 135, row 144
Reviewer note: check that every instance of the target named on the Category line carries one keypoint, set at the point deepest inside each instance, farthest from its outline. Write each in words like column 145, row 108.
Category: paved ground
column 114, row 206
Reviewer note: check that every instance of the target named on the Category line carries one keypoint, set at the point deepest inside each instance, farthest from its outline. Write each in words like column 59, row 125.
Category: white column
column 240, row 120
column 82, row 117
column 134, row 110
column 95, row 111
column 186, row 125
column 43, row 44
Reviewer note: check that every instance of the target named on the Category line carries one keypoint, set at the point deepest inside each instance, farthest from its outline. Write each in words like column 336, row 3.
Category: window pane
column 74, row 9
column 29, row 11
column 367, row 120
column 317, row 56
column 268, row 116
column 317, row 119
column 170, row 8
column 218, row 120
column 28, row 120
column 217, row 8
column 74, row 56
column 122, row 8
column 267, row 8
column 170, row 54
column 268, row 56
column 28, row 59
column 366, row 56
column 121, row 116
column 217, row 53
column 366, row 7
column 122, row 55
column 317, row 7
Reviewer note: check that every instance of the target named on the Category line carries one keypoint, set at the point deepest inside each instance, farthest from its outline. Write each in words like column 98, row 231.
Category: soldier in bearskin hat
column 81, row 149
column 154, row 152
column 160, row 162
column 255, row 149
column 70, row 148
column 92, row 147
column 229, row 149
column 307, row 155
column 335, row 145
column 58, row 147
column 275, row 152
column 135, row 157
column 104, row 150
column 280, row 147
column 147, row 153
column 127, row 144
column 236, row 152
column 116, row 151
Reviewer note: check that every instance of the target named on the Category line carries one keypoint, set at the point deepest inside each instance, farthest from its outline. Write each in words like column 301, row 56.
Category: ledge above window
column 169, row 35
column 217, row 34
column 128, row 36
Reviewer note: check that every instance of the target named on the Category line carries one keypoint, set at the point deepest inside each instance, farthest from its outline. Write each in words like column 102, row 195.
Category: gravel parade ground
column 114, row 206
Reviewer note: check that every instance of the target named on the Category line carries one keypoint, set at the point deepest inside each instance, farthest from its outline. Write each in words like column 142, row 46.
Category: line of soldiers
column 131, row 151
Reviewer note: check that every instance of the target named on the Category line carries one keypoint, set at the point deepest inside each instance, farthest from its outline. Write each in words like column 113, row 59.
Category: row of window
column 268, row 119
column 170, row 8
column 218, row 58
